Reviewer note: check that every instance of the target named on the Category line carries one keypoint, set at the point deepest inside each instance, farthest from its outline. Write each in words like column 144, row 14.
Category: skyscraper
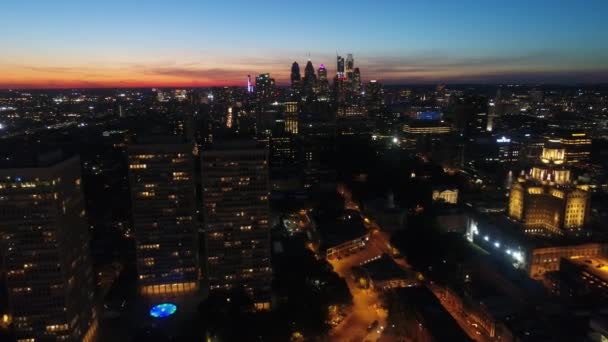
column 322, row 84
column 296, row 78
column 236, row 214
column 45, row 242
column 340, row 68
column 310, row 79
column 249, row 85
column 264, row 89
column 350, row 65
column 161, row 177
column 357, row 85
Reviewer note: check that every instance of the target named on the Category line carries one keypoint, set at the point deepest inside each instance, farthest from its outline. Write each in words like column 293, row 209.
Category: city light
column 163, row 310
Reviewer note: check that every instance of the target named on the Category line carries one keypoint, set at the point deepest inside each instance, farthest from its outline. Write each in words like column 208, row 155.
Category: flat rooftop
column 383, row 268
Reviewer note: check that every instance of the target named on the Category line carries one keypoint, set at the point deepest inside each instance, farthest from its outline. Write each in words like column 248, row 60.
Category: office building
column 357, row 85
column 310, row 79
column 296, row 78
column 546, row 200
column 577, row 147
column 45, row 244
column 291, row 117
column 236, row 214
column 416, row 128
column 340, row 68
column 264, row 90
column 161, row 177
column 374, row 97
column 349, row 67
column 503, row 237
column 322, row 84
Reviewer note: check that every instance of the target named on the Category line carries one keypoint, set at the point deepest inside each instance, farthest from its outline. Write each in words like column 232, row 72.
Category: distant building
column 340, row 68
column 296, row 78
column 291, row 117
column 349, row 67
column 416, row 128
column 322, row 88
column 236, row 213
column 446, row 195
column 161, row 178
column 264, row 90
column 508, row 150
column 45, row 243
column 351, row 111
column 310, row 79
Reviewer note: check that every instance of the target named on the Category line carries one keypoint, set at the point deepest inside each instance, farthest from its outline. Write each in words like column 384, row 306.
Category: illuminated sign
column 503, row 140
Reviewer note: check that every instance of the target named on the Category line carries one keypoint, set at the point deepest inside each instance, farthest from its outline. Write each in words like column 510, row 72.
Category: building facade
column 546, row 201
column 45, row 243
column 161, row 178
column 236, row 213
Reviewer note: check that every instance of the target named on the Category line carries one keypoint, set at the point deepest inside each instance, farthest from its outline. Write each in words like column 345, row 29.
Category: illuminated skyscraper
column 161, row 177
column 236, row 213
column 350, row 66
column 322, row 84
column 322, row 73
column 249, row 84
column 340, row 68
column 264, row 89
column 45, row 242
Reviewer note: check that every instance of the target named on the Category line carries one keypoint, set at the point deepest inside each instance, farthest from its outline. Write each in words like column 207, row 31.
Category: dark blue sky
column 111, row 42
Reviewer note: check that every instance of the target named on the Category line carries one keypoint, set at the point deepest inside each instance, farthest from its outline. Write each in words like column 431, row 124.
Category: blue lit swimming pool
column 163, row 310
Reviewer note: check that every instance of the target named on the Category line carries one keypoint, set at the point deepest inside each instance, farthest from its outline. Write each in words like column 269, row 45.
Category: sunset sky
column 113, row 43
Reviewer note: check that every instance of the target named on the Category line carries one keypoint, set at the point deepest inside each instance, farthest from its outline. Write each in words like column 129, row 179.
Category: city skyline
column 68, row 44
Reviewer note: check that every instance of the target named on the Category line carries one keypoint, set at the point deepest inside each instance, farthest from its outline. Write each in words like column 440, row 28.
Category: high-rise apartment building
column 236, row 214
column 161, row 177
column 45, row 243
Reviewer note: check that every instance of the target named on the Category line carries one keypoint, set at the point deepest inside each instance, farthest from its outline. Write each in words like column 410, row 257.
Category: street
column 367, row 305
